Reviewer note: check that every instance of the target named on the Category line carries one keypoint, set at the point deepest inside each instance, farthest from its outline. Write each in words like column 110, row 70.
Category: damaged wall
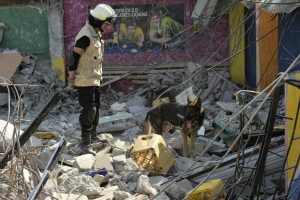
column 56, row 37
column 288, row 42
column 13, row 2
column 207, row 43
column 289, row 30
column 27, row 30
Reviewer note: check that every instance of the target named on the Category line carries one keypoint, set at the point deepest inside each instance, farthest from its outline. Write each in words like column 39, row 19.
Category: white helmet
column 103, row 13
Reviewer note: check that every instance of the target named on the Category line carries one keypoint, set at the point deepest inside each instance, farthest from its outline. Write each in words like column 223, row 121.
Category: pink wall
column 196, row 49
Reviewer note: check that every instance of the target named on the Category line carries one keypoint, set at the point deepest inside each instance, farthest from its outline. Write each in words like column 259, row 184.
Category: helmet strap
column 96, row 23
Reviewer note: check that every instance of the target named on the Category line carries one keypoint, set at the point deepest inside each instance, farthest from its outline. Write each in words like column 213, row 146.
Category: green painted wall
column 27, row 30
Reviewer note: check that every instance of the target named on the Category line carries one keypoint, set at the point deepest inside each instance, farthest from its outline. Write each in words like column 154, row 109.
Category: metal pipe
column 265, row 144
column 35, row 192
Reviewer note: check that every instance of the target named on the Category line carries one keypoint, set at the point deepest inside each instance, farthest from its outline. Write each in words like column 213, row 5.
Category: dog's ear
column 198, row 103
column 191, row 100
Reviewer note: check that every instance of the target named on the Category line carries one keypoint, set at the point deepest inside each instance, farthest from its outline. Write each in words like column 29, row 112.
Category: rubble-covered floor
column 112, row 173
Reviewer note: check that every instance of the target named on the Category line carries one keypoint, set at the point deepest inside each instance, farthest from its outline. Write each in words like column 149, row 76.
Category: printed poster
column 143, row 28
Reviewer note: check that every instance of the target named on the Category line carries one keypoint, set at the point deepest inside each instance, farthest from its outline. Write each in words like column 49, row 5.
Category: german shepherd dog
column 161, row 119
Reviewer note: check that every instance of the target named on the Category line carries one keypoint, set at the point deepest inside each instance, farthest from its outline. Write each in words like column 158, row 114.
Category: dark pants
column 89, row 99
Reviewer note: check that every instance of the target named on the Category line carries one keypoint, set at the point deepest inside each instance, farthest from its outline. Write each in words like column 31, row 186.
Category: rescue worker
column 85, row 70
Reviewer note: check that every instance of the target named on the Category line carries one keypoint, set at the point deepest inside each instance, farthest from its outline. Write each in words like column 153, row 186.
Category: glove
column 70, row 85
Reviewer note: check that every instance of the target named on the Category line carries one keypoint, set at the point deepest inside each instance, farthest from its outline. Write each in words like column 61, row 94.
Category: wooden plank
column 9, row 62
column 146, row 72
column 163, row 66
column 128, row 77
column 237, row 43
column 266, row 48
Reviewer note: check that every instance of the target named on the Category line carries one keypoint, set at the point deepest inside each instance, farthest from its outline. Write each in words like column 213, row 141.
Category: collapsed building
column 246, row 148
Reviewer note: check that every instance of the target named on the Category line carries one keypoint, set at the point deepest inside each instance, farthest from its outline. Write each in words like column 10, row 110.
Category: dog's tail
column 147, row 125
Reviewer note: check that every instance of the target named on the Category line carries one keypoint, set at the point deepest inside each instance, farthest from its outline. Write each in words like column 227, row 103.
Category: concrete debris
column 103, row 161
column 157, row 181
column 118, row 107
column 229, row 107
column 62, row 196
column 186, row 95
column 176, row 191
column 120, row 195
column 144, row 186
column 112, row 173
column 3, row 99
column 99, row 179
column 80, row 184
column 108, row 193
column 9, row 62
column 85, row 162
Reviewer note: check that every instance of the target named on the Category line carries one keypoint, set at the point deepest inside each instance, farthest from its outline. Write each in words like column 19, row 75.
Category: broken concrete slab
column 9, row 62
column 116, row 117
column 136, row 101
column 138, row 197
column 192, row 66
column 183, row 97
column 103, row 161
column 85, row 162
column 131, row 165
column 3, row 99
column 82, row 184
column 162, row 196
column 119, row 163
column 62, row 196
column 121, row 144
column 136, row 110
column 144, row 186
column 108, row 193
column 131, row 186
column 157, row 181
column 176, row 191
column 185, row 183
column 131, row 133
column 213, row 142
column 118, row 107
column 105, row 137
column 68, row 159
column 116, row 127
column 228, row 106
column 121, row 195
column 99, row 178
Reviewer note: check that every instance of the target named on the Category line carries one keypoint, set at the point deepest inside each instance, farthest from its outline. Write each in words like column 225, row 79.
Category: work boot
column 87, row 149
column 86, row 143
column 94, row 135
column 86, row 137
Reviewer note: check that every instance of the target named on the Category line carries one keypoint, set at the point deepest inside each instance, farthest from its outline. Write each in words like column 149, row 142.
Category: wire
column 274, row 82
column 274, row 3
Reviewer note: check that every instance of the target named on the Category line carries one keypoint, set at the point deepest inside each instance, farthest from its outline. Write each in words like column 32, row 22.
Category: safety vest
column 89, row 70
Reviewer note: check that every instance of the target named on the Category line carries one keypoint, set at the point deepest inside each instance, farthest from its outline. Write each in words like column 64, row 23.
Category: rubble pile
column 209, row 85
column 113, row 173
column 36, row 83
